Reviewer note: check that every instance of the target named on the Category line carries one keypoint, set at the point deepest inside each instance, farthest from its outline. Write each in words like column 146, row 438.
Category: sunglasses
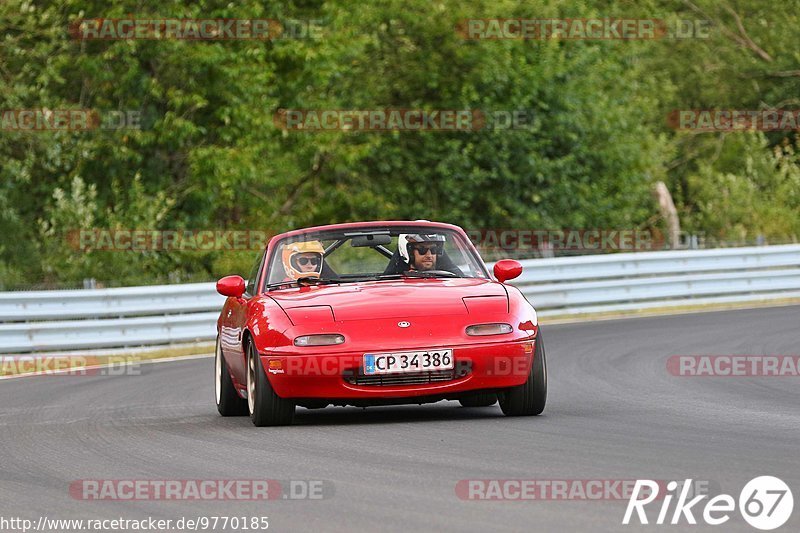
column 422, row 250
column 303, row 261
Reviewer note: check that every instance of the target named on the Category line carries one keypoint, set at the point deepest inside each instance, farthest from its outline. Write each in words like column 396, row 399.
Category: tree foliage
column 209, row 155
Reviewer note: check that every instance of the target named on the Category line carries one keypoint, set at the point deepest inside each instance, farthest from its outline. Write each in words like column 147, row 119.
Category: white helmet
column 406, row 240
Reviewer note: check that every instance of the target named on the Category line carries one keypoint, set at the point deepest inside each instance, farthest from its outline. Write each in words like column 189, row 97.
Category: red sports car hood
column 394, row 299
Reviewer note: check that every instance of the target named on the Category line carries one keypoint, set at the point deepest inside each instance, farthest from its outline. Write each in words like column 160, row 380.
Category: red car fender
column 267, row 323
column 519, row 307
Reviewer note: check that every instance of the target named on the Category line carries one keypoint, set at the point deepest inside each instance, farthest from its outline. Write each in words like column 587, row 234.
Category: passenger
column 302, row 260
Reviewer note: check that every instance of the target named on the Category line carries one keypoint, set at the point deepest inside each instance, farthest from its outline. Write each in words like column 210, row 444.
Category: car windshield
column 374, row 253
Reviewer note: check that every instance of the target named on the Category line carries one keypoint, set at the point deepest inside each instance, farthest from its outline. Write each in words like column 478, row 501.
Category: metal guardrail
column 101, row 303
column 162, row 314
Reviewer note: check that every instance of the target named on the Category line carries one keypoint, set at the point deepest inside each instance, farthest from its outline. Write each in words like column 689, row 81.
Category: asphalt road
column 614, row 412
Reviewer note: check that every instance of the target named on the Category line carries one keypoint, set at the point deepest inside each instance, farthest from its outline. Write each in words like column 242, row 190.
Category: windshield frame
column 316, row 233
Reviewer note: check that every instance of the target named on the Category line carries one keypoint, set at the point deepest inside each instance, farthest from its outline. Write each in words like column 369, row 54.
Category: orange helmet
column 289, row 256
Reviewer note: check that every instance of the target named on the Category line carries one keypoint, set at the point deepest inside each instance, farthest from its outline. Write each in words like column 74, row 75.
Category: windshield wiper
column 302, row 282
column 429, row 274
column 355, row 278
column 387, row 276
column 410, row 274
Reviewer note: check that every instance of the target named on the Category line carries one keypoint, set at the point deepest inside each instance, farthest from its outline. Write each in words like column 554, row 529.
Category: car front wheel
column 266, row 408
column 530, row 397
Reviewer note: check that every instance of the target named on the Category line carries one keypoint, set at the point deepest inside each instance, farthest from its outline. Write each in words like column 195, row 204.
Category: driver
column 420, row 251
column 302, row 260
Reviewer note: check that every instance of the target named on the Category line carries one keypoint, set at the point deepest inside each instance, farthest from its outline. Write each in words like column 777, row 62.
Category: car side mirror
column 231, row 286
column 507, row 269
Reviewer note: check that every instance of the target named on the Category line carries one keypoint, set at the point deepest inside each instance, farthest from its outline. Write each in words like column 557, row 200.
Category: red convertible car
column 376, row 313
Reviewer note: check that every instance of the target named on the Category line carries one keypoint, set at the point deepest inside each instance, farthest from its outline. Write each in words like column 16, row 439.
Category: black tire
column 266, row 408
column 482, row 399
column 529, row 398
column 228, row 401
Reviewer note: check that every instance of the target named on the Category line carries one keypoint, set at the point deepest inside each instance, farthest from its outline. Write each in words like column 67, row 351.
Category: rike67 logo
column 765, row 503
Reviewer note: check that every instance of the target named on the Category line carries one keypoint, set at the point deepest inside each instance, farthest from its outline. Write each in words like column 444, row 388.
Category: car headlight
column 489, row 329
column 319, row 340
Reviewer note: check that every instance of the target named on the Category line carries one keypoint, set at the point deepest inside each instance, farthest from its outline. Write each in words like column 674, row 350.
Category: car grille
column 411, row 378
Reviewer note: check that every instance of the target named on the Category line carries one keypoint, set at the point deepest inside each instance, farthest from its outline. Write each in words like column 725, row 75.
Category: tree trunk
column 667, row 208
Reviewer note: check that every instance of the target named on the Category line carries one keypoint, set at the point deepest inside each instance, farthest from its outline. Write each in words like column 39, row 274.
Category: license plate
column 399, row 362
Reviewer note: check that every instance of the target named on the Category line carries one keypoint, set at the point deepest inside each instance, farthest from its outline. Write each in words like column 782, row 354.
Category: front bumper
column 331, row 376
